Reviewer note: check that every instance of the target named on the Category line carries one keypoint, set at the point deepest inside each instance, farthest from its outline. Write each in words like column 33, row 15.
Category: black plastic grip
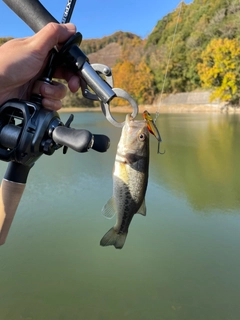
column 78, row 140
column 101, row 143
column 17, row 172
column 32, row 12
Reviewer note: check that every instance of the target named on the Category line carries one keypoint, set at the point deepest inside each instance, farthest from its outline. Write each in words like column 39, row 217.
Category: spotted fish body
column 130, row 178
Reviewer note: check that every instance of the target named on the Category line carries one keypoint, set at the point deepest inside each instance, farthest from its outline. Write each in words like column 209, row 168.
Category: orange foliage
column 136, row 79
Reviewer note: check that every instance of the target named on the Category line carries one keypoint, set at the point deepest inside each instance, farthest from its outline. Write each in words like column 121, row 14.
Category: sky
column 96, row 19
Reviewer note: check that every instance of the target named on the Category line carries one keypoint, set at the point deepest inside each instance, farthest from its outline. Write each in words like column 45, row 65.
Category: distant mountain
column 108, row 55
column 108, row 50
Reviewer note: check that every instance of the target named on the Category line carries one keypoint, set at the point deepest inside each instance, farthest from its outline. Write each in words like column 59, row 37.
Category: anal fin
column 109, row 210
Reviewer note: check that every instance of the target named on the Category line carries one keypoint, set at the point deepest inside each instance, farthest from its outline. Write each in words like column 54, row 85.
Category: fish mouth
column 132, row 124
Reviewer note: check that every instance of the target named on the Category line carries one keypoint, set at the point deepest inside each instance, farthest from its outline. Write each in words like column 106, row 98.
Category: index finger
column 51, row 35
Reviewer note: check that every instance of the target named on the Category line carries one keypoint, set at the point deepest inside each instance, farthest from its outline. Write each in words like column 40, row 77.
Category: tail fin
column 112, row 238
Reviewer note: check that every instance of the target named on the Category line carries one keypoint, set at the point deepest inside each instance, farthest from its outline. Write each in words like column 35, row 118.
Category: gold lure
column 152, row 128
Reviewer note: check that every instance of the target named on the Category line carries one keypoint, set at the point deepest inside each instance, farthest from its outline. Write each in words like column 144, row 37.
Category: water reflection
column 202, row 159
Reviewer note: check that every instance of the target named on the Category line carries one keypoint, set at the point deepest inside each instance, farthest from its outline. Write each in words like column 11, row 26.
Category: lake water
column 180, row 262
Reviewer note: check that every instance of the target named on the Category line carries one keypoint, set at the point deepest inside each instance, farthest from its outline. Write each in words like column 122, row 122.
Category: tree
column 136, row 79
column 219, row 69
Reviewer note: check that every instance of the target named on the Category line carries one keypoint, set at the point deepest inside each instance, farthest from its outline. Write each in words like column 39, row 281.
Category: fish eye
column 141, row 137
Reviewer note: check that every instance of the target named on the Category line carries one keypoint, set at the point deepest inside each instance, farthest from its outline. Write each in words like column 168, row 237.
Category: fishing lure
column 152, row 128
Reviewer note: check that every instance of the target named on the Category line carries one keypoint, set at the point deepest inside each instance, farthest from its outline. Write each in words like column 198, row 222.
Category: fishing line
column 168, row 62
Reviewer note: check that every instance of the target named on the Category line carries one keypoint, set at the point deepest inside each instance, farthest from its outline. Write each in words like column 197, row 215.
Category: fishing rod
column 68, row 11
column 27, row 130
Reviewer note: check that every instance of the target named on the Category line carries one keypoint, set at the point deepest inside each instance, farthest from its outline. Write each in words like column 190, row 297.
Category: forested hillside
column 192, row 62
column 205, row 53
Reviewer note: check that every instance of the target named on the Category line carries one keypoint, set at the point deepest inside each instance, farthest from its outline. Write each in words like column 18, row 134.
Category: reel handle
column 80, row 140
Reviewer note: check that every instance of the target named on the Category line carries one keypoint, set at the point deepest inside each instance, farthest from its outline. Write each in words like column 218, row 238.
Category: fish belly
column 128, row 193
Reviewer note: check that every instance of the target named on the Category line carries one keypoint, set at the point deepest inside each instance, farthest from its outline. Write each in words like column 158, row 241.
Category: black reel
column 27, row 131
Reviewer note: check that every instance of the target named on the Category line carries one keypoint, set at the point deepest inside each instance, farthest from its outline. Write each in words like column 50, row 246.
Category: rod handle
column 11, row 191
column 10, row 196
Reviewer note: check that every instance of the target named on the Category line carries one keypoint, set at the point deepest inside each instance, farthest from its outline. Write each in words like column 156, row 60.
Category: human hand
column 23, row 60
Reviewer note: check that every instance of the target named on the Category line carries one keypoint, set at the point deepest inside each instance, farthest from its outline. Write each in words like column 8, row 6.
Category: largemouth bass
column 130, row 178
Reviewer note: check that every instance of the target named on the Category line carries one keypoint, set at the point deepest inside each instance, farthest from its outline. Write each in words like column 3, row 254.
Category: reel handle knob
column 80, row 140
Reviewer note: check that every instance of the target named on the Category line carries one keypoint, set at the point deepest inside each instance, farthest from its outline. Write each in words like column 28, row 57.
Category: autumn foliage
column 136, row 79
column 219, row 69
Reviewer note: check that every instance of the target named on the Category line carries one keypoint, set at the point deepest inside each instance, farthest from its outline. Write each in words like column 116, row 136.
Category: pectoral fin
column 109, row 209
column 142, row 210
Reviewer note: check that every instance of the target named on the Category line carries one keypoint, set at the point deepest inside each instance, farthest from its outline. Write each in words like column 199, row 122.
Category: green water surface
column 180, row 262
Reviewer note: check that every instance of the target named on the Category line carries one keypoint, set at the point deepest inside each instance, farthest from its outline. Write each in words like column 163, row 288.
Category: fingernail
column 71, row 26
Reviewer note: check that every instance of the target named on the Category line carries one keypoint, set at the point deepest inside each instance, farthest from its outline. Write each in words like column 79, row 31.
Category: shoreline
column 161, row 109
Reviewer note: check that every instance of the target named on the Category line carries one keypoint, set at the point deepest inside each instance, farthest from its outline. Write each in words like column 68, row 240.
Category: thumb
column 52, row 34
